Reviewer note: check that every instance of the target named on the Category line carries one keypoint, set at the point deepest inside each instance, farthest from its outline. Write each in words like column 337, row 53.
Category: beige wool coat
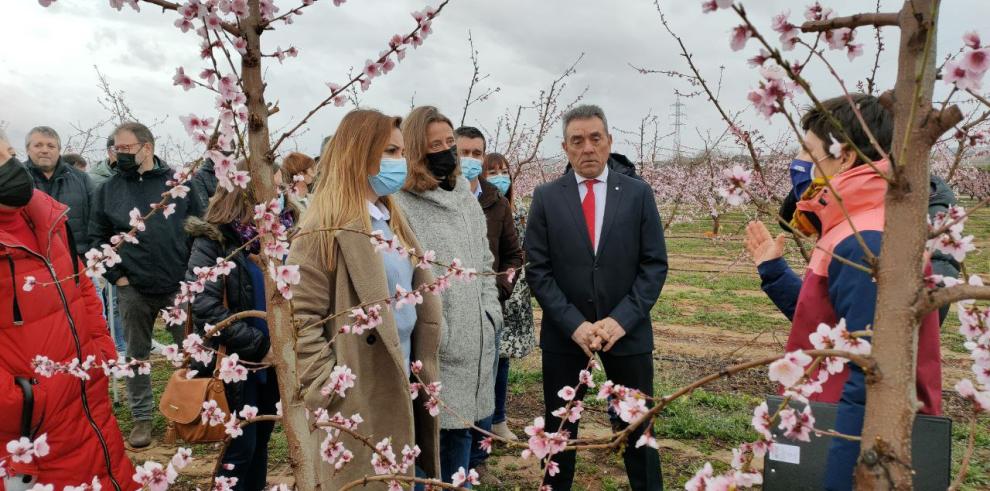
column 381, row 390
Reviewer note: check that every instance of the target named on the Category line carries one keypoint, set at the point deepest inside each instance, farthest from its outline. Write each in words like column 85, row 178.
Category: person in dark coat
column 596, row 261
column 204, row 184
column 60, row 180
column 504, row 245
column 227, row 225
column 148, row 277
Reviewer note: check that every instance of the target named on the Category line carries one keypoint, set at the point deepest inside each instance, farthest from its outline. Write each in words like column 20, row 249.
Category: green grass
column 720, row 420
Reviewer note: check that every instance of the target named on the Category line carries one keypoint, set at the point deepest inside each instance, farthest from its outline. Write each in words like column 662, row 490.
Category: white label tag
column 790, row 454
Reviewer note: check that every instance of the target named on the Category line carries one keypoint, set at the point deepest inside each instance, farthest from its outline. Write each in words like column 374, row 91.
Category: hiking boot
column 486, row 477
column 140, row 434
column 503, row 431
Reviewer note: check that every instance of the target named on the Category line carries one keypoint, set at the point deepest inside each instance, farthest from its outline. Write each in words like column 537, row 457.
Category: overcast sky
column 48, row 74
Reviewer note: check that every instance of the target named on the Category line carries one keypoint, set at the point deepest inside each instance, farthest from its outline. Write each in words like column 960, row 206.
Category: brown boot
column 140, row 434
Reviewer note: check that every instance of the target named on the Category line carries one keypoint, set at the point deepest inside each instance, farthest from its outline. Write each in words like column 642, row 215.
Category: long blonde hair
column 340, row 197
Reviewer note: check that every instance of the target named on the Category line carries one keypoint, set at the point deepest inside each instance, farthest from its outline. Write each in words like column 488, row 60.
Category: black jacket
column 73, row 188
column 573, row 284
column 209, row 243
column 502, row 238
column 157, row 263
column 204, row 183
column 617, row 163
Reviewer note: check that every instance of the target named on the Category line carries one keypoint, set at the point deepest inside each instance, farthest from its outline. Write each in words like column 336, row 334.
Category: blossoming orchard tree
column 230, row 34
column 904, row 294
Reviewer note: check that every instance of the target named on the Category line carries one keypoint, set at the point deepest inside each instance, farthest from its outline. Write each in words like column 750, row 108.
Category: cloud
column 523, row 45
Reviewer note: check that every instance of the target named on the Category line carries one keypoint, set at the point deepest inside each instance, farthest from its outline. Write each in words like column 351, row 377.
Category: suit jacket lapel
column 366, row 270
column 572, row 201
column 613, row 199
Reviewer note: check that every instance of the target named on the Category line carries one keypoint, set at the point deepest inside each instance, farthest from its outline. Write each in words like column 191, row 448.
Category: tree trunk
column 885, row 458
column 283, row 338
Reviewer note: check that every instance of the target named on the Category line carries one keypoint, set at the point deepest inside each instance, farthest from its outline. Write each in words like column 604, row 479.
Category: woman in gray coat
column 447, row 219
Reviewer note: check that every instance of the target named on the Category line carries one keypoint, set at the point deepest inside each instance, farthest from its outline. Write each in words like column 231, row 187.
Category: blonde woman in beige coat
column 340, row 270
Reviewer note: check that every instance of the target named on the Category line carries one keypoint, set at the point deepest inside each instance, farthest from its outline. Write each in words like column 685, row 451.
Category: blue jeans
column 105, row 292
column 478, row 456
column 455, row 452
column 501, row 390
column 249, row 452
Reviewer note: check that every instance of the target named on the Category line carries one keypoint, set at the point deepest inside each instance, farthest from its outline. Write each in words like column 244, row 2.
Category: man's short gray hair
column 42, row 130
column 584, row 111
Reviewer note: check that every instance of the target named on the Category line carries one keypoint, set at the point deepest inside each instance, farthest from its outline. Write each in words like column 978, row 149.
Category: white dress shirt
column 601, row 189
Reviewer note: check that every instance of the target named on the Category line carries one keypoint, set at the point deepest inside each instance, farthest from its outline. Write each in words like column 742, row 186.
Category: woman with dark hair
column 518, row 334
column 226, row 227
column 447, row 219
column 339, row 270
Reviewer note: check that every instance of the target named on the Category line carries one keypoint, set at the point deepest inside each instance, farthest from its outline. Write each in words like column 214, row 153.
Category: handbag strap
column 221, row 353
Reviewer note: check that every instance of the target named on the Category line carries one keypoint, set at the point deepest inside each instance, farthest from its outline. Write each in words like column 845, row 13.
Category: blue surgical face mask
column 281, row 201
column 502, row 182
column 801, row 173
column 390, row 177
column 470, row 167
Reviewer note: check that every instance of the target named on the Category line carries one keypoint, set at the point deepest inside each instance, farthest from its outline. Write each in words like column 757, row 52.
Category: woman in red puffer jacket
column 62, row 321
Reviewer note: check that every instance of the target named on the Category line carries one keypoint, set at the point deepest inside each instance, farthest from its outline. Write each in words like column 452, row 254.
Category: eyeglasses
column 126, row 148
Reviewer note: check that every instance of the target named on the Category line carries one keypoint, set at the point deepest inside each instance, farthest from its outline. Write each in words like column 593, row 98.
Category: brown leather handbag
column 182, row 401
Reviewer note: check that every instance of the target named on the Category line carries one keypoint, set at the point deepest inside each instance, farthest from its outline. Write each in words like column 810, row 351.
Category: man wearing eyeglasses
column 148, row 276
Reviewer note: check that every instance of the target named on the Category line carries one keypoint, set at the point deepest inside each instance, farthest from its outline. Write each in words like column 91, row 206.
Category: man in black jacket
column 597, row 262
column 60, row 180
column 149, row 275
column 204, row 184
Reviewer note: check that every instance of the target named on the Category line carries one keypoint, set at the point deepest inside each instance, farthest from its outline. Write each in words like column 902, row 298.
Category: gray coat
column 452, row 224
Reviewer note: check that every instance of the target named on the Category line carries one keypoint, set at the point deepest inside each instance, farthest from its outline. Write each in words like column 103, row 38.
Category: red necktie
column 588, row 206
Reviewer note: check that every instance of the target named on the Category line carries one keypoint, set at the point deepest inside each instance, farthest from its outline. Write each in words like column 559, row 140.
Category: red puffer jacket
column 63, row 322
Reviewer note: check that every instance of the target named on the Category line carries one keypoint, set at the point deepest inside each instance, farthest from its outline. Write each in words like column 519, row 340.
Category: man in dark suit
column 597, row 262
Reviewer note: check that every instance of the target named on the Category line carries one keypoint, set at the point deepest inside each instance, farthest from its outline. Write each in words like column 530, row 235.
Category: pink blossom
column 956, row 74
column 835, row 149
column 231, row 371
column 972, row 40
column 632, row 408
column 740, row 34
column 797, row 426
column 567, row 393
column 212, row 413
column 572, row 414
column 182, row 458
column 789, row 33
column 789, row 369
column 966, row 389
column 233, row 427
column 486, row 444
column 341, row 379
column 407, row 297
column 137, row 221
column 701, row 479
column 736, row 181
column 647, row 439
column 182, row 79
column 154, row 477
column 761, row 421
column 461, row 476
column 976, row 60
column 553, row 468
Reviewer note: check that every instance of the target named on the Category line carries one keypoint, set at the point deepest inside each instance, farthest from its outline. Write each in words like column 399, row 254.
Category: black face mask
column 16, row 184
column 126, row 162
column 442, row 164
